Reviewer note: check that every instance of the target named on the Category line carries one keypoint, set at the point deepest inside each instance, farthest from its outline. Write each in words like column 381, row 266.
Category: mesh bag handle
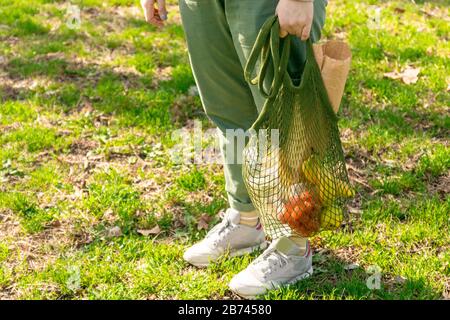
column 267, row 48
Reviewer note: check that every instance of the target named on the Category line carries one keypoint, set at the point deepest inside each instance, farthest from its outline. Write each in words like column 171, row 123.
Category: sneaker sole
column 302, row 276
column 236, row 253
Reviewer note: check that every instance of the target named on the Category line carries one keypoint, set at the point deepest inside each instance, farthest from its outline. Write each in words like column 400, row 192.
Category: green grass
column 86, row 117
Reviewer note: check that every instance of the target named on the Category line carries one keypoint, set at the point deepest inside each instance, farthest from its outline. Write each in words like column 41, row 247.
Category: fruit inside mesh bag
column 307, row 211
column 330, row 186
column 302, row 213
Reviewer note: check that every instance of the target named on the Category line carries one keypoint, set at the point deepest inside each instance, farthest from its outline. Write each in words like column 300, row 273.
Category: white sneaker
column 227, row 236
column 277, row 266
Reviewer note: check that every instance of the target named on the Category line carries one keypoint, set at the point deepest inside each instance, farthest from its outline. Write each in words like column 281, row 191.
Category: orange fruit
column 306, row 196
column 300, row 213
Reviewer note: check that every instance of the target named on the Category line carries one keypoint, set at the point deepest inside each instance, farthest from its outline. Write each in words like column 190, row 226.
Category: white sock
column 302, row 244
column 250, row 218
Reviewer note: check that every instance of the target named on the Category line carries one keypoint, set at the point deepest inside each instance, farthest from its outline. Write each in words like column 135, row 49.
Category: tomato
column 283, row 216
column 306, row 196
column 301, row 214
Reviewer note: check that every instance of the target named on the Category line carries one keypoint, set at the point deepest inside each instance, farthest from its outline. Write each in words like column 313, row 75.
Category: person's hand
column 295, row 17
column 155, row 11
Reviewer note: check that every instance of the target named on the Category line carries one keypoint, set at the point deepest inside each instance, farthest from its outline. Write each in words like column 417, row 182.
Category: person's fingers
column 162, row 9
column 157, row 21
column 283, row 33
column 298, row 30
column 149, row 9
column 287, row 28
column 305, row 32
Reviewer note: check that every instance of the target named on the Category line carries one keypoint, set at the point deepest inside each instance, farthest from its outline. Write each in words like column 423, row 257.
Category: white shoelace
column 219, row 229
column 270, row 261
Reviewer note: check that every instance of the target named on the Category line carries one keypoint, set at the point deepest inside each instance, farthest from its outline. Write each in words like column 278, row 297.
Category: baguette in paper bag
column 333, row 58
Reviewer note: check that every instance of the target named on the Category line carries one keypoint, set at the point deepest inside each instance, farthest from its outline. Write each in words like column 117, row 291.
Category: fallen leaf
column 392, row 75
column 408, row 76
column 114, row 232
column 82, row 238
column 162, row 74
column 146, row 232
column 55, row 224
column 431, row 13
column 203, row 223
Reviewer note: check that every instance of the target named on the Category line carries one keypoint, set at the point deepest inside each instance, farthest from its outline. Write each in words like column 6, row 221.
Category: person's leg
column 225, row 95
column 245, row 18
column 228, row 102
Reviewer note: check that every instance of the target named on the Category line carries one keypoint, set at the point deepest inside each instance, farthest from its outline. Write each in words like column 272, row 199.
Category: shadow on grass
column 335, row 278
column 135, row 90
column 139, row 99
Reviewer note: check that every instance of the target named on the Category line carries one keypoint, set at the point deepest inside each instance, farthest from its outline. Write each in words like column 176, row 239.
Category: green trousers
column 220, row 35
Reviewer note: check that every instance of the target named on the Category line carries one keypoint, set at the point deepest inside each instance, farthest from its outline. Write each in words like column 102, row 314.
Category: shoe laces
column 270, row 261
column 221, row 228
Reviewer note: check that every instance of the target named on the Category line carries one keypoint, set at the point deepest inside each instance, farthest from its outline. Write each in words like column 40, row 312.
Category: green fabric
column 220, row 35
column 294, row 166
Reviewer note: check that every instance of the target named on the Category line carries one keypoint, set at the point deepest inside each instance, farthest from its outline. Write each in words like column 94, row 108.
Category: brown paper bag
column 334, row 58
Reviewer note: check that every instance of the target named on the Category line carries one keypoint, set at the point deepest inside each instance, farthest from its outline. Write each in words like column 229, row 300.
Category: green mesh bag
column 293, row 164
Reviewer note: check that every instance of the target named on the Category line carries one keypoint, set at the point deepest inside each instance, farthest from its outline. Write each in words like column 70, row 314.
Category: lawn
column 92, row 206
